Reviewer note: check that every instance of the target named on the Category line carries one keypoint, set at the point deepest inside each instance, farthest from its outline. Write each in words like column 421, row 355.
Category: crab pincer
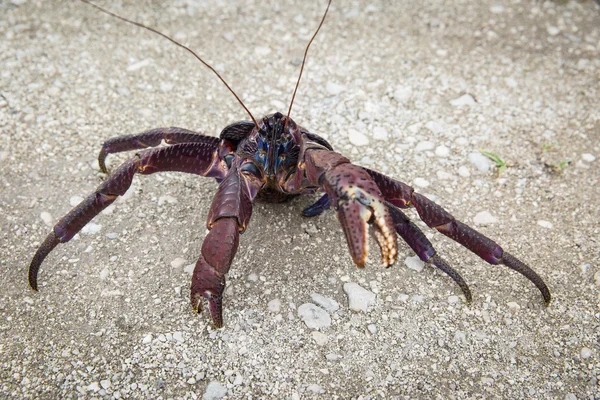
column 358, row 202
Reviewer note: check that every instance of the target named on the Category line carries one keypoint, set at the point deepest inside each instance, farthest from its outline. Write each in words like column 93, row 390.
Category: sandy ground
column 412, row 90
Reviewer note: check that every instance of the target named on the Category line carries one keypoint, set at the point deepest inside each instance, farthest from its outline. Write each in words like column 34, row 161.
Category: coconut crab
column 274, row 159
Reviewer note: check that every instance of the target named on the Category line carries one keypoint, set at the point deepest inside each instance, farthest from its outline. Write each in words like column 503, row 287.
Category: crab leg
column 401, row 195
column 417, row 241
column 151, row 138
column 229, row 215
column 358, row 201
column 196, row 158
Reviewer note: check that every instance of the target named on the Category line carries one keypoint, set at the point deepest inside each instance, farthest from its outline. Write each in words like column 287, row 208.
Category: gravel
column 112, row 317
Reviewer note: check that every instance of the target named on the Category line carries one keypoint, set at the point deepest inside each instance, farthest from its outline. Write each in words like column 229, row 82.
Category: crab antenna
column 304, row 61
column 207, row 65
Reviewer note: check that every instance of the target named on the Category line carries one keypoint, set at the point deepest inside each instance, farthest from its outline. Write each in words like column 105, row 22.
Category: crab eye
column 228, row 159
column 250, row 168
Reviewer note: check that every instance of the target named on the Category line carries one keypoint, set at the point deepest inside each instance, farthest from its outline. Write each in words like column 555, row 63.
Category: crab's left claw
column 358, row 202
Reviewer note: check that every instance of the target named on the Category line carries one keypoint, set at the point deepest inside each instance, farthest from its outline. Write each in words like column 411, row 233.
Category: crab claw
column 356, row 209
column 207, row 282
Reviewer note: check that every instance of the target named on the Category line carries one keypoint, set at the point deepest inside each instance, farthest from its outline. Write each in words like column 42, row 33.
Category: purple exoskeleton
column 273, row 160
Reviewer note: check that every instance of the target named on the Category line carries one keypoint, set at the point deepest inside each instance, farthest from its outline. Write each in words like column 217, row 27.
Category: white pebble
column 434, row 127
column 570, row 396
column 166, row 199
column 380, row 133
column 511, row 82
column 104, row 274
column 414, row 263
column 372, row 328
column 586, row 353
column 403, row 93
column 420, row 182
column 357, row 138
column 442, row 151
column 314, row 317
column 105, row 383
column 597, row 278
column 424, row 146
column 178, row 263
column 93, row 387
column 545, row 224
column 481, row 162
column 359, row 298
column 497, row 9
column 147, row 339
column 453, row 299
column 262, row 51
column 252, row 277
column 588, row 157
column 315, row 389
column 552, row 30
column 320, row 338
column 274, row 305
column 74, row 200
column 464, row 172
column 513, row 306
column 47, row 218
column 214, row 390
column 484, row 218
column 464, row 100
column 325, row 302
column 189, row 268
column 91, row 228
column 178, row 336
column 334, row 88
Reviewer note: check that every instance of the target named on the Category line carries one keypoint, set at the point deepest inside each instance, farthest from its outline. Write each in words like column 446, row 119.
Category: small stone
column 105, row 383
column 359, row 298
column 420, row 182
column 481, row 162
column 189, row 269
column 464, row 100
column 166, row 199
column 332, row 357
column 238, row 380
column 586, row 353
column 424, row 146
column 402, row 94
column 178, row 263
column 47, row 218
column 372, row 328
column 93, row 387
column 315, row 388
column 588, row 157
column 552, row 30
column 274, row 305
column 147, row 339
column 214, row 390
column 513, row 306
column 380, row 133
column 314, row 317
column 262, row 51
column 464, row 172
column 414, row 263
column 497, row 9
column 252, row 277
column 442, row 151
column 484, row 218
column 112, row 235
column 570, row 396
column 511, row 82
column 74, row 200
column 104, row 274
column 453, row 299
column 325, row 302
column 597, row 278
column 545, row 224
column 178, row 336
column 334, row 88
column 320, row 338
column 357, row 138
column 91, row 228
column 191, row 381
